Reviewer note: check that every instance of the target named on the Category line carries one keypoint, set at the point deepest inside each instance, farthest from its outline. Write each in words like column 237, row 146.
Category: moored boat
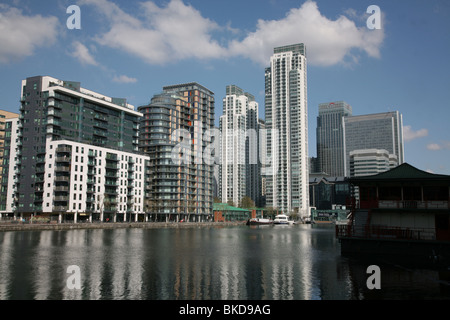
column 282, row 219
column 259, row 221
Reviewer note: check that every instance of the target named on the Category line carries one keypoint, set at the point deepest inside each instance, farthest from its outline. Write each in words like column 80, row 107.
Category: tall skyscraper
column 180, row 188
column 374, row 131
column 286, row 110
column 330, row 137
column 77, row 153
column 239, row 165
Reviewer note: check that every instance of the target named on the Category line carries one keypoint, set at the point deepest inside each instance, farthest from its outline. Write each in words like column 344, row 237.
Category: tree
column 247, row 202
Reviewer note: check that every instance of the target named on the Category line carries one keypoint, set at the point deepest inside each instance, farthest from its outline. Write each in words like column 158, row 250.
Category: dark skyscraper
column 330, row 137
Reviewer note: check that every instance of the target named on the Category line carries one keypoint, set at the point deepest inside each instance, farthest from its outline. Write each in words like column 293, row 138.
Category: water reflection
column 234, row 263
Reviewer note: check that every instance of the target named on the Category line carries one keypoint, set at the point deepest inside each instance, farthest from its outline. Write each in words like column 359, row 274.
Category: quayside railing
column 384, row 232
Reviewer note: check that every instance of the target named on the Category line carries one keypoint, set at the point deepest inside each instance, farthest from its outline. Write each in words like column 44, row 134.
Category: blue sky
column 131, row 49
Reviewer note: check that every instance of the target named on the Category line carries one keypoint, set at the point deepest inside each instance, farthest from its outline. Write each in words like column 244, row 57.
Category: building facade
column 330, row 137
column 374, row 131
column 367, row 162
column 286, row 105
column 5, row 135
column 180, row 181
column 239, row 161
column 9, row 154
column 71, row 142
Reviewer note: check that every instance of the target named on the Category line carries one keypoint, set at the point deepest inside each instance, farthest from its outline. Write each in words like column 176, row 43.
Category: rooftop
column 403, row 172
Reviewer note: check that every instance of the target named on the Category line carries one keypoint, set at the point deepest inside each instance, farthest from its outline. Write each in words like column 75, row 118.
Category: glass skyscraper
column 330, row 137
column 374, row 131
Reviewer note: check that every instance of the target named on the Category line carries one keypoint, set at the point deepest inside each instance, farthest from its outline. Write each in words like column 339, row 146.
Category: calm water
column 300, row 262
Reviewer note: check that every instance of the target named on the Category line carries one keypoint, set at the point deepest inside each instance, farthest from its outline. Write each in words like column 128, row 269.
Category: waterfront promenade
column 19, row 226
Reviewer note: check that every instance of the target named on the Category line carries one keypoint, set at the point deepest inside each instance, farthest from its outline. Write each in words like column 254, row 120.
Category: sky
column 132, row 49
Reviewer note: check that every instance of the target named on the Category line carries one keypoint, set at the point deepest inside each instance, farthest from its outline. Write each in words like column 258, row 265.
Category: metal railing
column 384, row 232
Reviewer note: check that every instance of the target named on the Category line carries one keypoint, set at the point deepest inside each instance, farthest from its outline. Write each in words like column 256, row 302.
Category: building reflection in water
column 240, row 263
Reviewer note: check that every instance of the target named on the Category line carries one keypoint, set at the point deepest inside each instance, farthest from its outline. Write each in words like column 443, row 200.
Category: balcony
column 59, row 208
column 100, row 133
column 113, row 166
column 61, row 189
column 62, row 179
column 53, row 122
column 62, row 169
column 61, row 198
column 64, row 149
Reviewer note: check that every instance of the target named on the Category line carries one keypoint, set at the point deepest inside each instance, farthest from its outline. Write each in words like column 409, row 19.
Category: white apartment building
column 9, row 163
column 238, row 169
column 286, row 111
column 89, row 181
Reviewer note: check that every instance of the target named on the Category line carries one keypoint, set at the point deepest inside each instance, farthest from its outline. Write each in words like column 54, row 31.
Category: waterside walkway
column 112, row 225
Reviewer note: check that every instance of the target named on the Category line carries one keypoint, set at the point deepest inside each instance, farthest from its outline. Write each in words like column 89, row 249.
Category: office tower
column 368, row 162
column 313, row 165
column 77, row 153
column 173, row 133
column 287, row 124
column 330, row 137
column 238, row 169
column 373, row 131
column 8, row 150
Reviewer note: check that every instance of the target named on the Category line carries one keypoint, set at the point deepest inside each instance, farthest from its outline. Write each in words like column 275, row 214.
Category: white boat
column 282, row 219
column 259, row 221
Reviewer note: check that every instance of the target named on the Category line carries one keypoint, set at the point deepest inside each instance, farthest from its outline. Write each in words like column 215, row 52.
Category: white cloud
column 433, row 146
column 81, row 52
column 409, row 134
column 20, row 35
column 437, row 146
column 124, row 79
column 178, row 31
column 170, row 33
column 328, row 42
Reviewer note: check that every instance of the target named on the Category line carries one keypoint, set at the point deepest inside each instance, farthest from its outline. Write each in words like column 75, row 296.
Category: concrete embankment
column 115, row 225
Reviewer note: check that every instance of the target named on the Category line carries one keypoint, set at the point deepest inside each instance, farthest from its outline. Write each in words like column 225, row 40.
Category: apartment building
column 286, row 111
column 239, row 161
column 180, row 181
column 77, row 154
column 8, row 151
